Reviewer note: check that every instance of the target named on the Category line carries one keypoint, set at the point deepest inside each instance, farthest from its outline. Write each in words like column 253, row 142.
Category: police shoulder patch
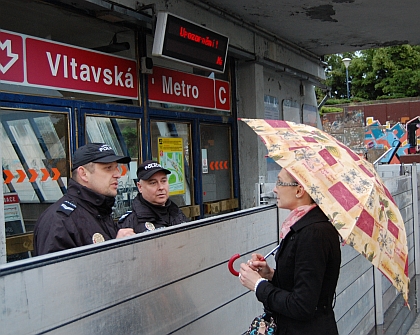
column 67, row 207
column 123, row 217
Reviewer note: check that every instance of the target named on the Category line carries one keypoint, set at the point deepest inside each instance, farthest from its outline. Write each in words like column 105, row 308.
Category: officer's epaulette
column 66, row 207
column 122, row 218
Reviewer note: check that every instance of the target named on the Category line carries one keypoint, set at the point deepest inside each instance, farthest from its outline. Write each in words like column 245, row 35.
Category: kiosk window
column 171, row 147
column 123, row 136
column 35, row 151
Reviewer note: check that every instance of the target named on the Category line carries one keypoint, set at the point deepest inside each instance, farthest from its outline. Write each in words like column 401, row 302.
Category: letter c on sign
column 221, row 98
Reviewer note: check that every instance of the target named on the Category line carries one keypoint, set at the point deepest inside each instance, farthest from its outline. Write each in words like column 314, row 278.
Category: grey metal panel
column 389, row 295
column 351, row 271
column 356, row 315
column 183, row 275
column 355, row 281
column 195, row 302
column 388, row 170
column 348, row 254
column 227, row 319
column 366, row 324
column 407, row 214
column 351, row 296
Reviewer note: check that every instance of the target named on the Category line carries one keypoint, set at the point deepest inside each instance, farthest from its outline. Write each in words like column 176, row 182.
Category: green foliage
column 337, row 101
column 131, row 140
column 383, row 73
column 325, row 110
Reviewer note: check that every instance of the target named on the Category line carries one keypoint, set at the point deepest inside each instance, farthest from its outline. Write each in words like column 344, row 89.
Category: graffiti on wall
column 370, row 139
column 385, row 137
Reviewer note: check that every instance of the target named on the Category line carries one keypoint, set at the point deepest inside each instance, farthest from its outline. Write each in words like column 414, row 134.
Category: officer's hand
column 124, row 232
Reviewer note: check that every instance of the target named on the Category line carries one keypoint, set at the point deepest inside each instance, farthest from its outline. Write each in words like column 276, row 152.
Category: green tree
column 382, row 73
column 402, row 71
column 364, row 77
column 336, row 75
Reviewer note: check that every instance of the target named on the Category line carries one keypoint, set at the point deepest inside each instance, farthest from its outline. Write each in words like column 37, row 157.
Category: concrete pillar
column 252, row 152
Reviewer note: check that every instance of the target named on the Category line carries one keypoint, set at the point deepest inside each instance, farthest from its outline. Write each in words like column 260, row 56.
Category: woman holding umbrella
column 300, row 291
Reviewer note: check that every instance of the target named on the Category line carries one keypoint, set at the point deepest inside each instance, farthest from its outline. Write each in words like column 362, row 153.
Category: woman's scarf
column 293, row 217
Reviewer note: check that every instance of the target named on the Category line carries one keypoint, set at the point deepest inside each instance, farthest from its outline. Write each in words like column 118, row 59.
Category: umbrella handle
column 230, row 264
column 236, row 256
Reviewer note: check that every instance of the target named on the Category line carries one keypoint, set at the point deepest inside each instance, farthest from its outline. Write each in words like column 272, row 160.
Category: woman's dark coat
column 301, row 292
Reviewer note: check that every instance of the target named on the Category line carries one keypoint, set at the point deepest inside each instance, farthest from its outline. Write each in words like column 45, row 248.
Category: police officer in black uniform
column 83, row 215
column 152, row 209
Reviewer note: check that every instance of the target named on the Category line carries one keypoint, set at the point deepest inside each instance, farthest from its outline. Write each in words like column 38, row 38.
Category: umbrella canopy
column 347, row 189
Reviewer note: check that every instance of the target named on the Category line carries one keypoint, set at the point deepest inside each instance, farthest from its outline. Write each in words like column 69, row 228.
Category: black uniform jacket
column 301, row 292
column 74, row 219
column 146, row 216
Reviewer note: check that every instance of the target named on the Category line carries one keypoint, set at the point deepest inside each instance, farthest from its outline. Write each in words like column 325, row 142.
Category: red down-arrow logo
column 11, row 57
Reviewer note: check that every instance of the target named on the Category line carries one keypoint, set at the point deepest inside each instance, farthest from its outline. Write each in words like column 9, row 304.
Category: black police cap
column 96, row 153
column 148, row 169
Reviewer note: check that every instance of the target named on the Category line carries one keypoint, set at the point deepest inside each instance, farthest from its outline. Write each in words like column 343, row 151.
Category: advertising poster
column 271, row 108
column 13, row 222
column 13, row 215
column 171, row 157
column 310, row 114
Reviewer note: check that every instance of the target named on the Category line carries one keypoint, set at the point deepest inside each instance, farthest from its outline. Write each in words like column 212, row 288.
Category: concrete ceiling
column 328, row 27
column 322, row 27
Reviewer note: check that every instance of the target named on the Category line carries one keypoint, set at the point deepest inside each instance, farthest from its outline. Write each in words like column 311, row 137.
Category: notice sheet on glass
column 171, row 157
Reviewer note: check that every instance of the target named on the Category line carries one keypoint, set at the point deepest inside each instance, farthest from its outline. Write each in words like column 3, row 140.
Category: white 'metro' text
column 179, row 89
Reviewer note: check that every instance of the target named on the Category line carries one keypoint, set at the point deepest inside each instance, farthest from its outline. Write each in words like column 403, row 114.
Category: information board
column 188, row 42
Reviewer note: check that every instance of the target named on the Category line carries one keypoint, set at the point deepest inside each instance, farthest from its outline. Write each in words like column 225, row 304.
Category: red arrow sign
column 22, row 175
column 45, row 174
column 56, row 173
column 123, row 170
column 34, row 175
column 9, row 176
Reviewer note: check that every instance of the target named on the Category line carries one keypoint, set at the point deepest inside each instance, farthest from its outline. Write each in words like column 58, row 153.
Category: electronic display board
column 188, row 42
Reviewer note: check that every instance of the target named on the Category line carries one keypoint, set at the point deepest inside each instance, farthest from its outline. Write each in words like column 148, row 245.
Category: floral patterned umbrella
column 347, row 189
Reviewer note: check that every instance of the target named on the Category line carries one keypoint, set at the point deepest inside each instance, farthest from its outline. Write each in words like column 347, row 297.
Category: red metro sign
column 180, row 88
column 31, row 61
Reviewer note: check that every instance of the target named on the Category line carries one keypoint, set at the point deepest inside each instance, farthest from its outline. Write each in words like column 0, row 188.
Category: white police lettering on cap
column 105, row 147
column 152, row 165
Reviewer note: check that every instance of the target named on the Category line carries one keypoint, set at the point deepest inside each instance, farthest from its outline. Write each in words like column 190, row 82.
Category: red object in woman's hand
column 230, row 264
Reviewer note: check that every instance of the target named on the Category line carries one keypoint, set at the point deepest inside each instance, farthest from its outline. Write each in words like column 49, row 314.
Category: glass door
column 216, row 169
